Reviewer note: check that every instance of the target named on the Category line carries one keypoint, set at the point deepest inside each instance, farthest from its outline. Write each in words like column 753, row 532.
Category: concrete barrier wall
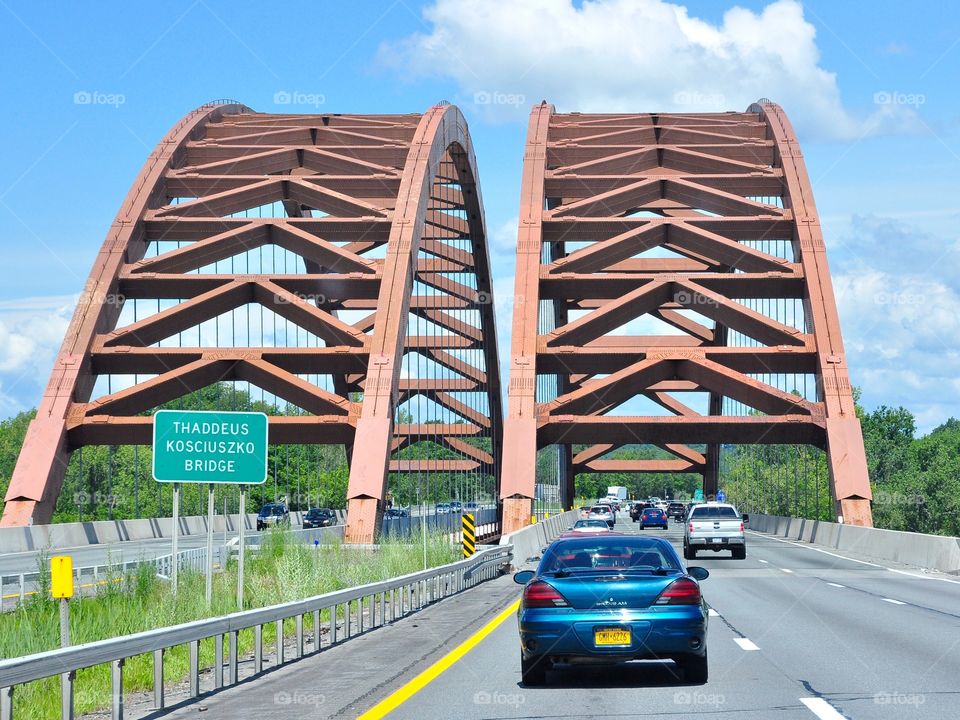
column 530, row 541
column 103, row 532
column 934, row 552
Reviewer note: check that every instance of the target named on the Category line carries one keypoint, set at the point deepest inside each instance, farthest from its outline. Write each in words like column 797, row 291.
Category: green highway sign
column 209, row 447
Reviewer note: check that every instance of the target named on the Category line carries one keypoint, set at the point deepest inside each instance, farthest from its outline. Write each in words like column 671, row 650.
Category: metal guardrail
column 383, row 602
column 17, row 586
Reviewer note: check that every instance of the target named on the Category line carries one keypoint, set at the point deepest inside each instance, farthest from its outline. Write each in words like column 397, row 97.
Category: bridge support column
column 849, row 476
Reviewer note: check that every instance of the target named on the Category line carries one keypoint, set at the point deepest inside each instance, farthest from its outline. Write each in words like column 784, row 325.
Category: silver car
column 602, row 512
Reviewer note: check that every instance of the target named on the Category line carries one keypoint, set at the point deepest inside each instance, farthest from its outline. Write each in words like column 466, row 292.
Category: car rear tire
column 689, row 553
column 533, row 670
column 740, row 553
column 694, row 668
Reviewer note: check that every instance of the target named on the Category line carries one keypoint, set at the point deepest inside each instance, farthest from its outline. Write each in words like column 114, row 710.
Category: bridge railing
column 359, row 609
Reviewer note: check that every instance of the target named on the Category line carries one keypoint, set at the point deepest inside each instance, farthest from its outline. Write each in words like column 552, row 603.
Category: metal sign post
column 174, row 559
column 209, row 587
column 241, row 523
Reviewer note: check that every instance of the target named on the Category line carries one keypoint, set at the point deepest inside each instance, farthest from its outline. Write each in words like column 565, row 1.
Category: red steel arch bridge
column 672, row 293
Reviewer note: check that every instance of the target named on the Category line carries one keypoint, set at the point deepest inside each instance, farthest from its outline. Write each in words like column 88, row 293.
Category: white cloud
column 634, row 55
column 897, row 292
column 31, row 332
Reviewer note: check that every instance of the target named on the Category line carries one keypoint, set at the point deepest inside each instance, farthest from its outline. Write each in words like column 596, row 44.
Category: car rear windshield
column 590, row 523
column 615, row 553
column 271, row 510
column 599, row 509
column 707, row 511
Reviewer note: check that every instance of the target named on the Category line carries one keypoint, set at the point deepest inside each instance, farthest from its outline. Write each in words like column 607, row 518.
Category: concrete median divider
column 932, row 552
column 530, row 541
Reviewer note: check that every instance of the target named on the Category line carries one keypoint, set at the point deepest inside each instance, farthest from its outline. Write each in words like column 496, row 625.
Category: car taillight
column 691, row 527
column 741, row 526
column 680, row 592
column 542, row 595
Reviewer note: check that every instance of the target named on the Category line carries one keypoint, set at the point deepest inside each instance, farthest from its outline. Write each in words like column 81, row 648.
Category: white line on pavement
column 713, row 613
column 787, row 571
column 807, row 546
column 745, row 644
column 895, row 602
column 836, row 584
column 765, row 562
column 821, row 708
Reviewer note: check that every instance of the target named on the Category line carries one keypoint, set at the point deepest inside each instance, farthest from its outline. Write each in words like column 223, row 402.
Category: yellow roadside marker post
column 61, row 588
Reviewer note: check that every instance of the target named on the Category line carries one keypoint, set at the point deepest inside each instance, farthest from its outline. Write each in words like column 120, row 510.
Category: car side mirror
column 523, row 577
column 696, row 572
column 746, row 519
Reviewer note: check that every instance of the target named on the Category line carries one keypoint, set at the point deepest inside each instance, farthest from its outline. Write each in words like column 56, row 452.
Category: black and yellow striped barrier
column 469, row 535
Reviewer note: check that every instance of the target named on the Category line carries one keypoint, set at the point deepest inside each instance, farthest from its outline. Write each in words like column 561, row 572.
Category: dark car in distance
column 677, row 510
column 319, row 517
column 394, row 513
column 271, row 515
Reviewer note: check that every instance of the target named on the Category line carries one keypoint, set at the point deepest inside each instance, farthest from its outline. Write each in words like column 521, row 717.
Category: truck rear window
column 701, row 513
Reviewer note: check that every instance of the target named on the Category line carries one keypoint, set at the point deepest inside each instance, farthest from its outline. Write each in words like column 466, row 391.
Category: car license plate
column 718, row 541
column 611, row 636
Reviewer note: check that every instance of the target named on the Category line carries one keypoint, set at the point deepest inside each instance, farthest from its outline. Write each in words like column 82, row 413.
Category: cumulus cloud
column 634, row 55
column 897, row 289
column 31, row 331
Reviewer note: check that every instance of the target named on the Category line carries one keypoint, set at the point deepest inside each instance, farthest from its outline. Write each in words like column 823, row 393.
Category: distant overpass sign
column 209, row 447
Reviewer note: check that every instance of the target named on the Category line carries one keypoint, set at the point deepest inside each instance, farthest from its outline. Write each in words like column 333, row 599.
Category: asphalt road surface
column 795, row 632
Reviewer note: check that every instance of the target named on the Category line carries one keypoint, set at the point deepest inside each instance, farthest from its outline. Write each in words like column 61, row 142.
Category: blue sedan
column 612, row 598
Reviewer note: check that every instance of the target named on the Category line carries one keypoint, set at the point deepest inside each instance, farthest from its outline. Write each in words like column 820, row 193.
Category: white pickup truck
column 714, row 526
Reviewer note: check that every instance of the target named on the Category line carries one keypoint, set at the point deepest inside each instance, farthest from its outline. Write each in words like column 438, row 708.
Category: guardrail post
column 158, row 679
column 218, row 661
column 383, row 608
column 333, row 625
column 22, row 583
column 6, row 703
column 298, row 649
column 316, row 630
column 116, row 683
column 257, row 648
column 233, row 660
column 66, row 695
column 279, row 625
column 348, row 620
column 194, row 668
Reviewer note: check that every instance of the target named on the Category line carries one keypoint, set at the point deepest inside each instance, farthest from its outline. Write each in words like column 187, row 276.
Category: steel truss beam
column 369, row 202
column 626, row 219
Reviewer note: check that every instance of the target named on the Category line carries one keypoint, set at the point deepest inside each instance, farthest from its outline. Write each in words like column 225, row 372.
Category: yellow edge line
column 407, row 691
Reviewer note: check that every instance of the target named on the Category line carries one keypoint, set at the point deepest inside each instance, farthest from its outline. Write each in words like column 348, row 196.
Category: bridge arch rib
column 676, row 295
column 383, row 306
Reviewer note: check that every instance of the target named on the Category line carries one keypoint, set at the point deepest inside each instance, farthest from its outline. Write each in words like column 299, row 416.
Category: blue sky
column 870, row 87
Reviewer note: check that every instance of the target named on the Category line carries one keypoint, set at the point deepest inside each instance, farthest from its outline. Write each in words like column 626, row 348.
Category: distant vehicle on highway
column 638, row 508
column 676, row 510
column 394, row 513
column 653, row 517
column 319, row 517
column 455, row 506
column 603, row 512
column 611, row 598
column 271, row 515
column 714, row 526
column 472, row 506
column 443, row 508
column 584, row 512
column 590, row 526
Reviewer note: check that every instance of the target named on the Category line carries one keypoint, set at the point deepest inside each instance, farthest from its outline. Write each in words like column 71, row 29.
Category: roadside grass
column 283, row 570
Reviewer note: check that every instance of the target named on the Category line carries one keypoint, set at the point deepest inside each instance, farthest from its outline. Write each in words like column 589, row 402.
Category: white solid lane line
column 808, row 546
column 836, row 585
column 821, row 708
column 713, row 613
column 895, row 602
column 765, row 562
column 787, row 571
column 745, row 644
